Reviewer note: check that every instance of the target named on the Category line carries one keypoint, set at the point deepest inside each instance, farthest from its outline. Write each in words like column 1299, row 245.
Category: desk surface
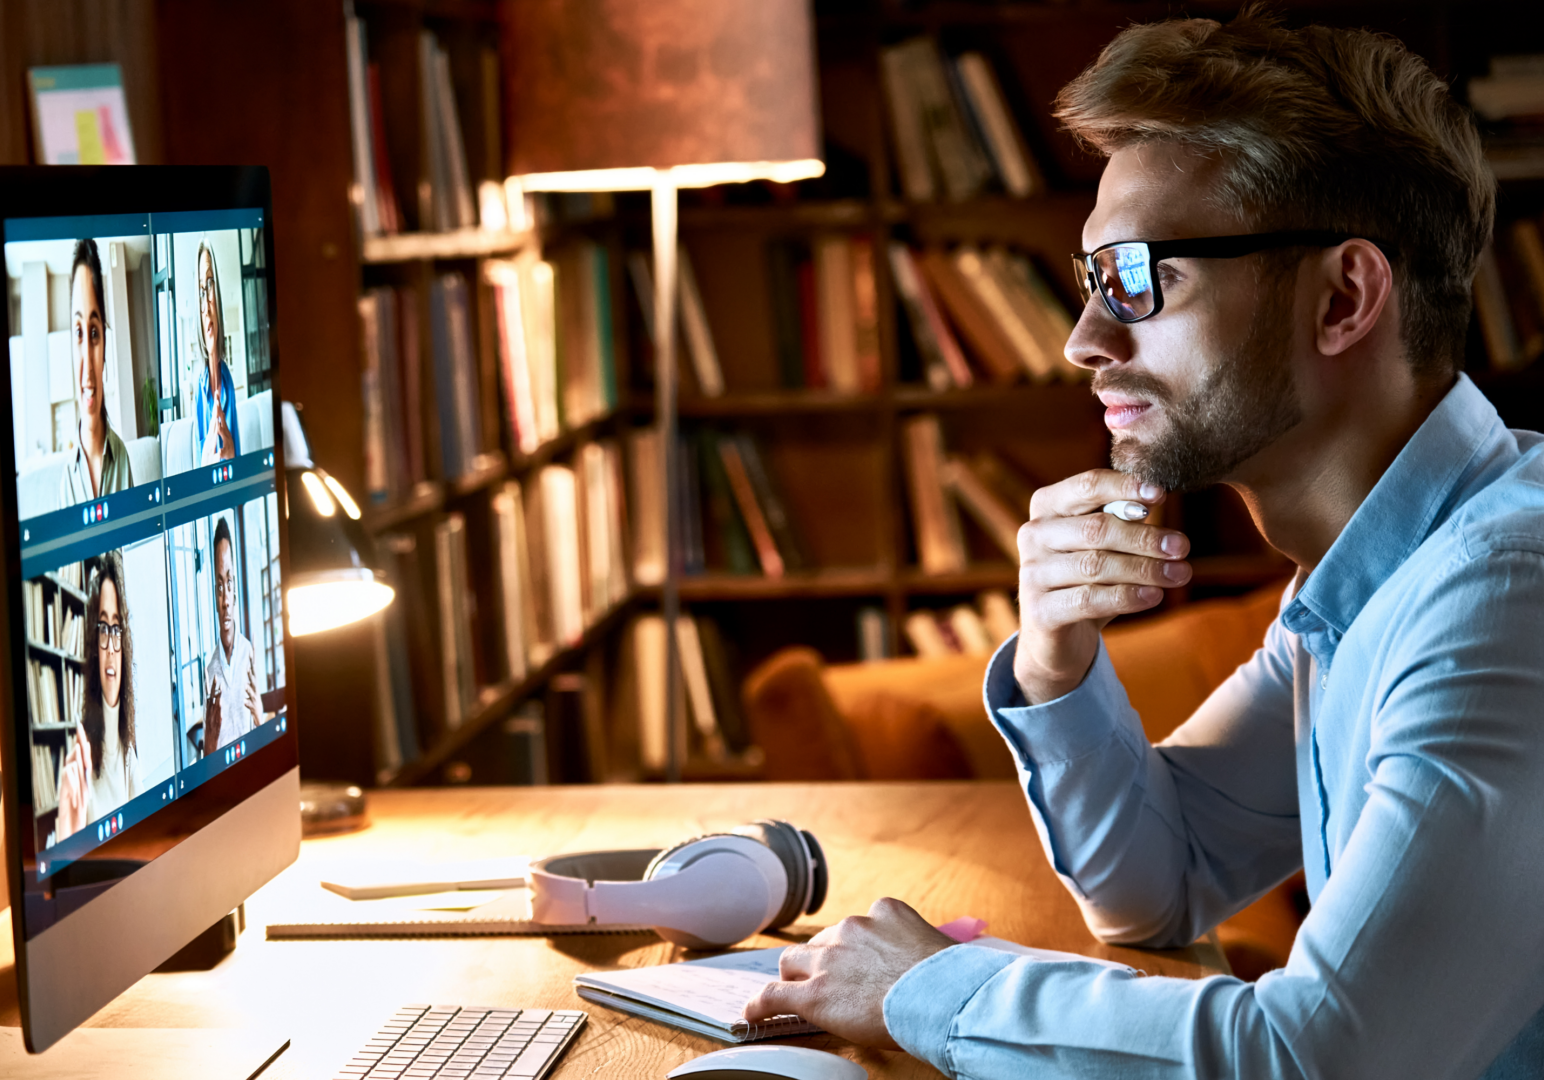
column 948, row 849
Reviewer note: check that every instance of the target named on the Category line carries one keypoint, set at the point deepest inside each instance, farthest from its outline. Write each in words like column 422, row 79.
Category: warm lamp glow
column 338, row 600
column 320, row 498
column 345, row 500
column 681, row 176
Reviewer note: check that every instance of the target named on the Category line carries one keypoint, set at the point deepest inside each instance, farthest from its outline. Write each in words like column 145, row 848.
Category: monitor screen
column 144, row 503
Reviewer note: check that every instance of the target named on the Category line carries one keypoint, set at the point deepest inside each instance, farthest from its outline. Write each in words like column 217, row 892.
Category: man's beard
column 1246, row 403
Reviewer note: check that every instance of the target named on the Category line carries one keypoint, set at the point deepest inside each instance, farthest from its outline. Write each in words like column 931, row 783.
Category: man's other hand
column 838, row 981
column 1079, row 568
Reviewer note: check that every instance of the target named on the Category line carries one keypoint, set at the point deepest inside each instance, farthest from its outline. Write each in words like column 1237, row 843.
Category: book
column 1016, row 167
column 1495, row 318
column 835, row 313
column 940, row 545
column 455, row 631
column 998, row 615
column 926, row 636
column 542, row 636
column 376, row 880
column 970, row 631
column 435, row 209
column 907, row 135
column 718, row 659
column 812, row 345
column 363, row 194
column 726, row 524
column 783, row 258
column 988, row 343
column 978, row 275
column 770, row 500
column 513, row 564
column 865, row 310
column 873, row 634
column 560, row 521
column 997, row 518
column 943, row 363
column 452, row 145
column 388, row 210
column 1528, row 248
column 646, row 470
column 410, row 359
column 698, row 334
column 699, row 694
column 654, row 730
column 1058, row 321
column 80, row 115
column 1005, row 481
column 414, row 615
column 455, row 375
column 705, row 997
column 377, row 487
column 961, row 164
column 1017, row 279
column 514, row 356
column 750, row 510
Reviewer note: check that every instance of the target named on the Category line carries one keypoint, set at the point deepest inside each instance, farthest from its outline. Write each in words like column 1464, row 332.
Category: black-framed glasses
column 110, row 636
column 1125, row 273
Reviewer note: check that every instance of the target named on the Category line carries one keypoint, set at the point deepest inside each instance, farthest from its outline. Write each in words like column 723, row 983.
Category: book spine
column 1015, row 166
column 809, row 328
column 908, row 135
column 542, row 638
column 560, row 516
column 772, row 505
column 783, row 276
column 940, row 546
column 605, row 332
column 616, row 521
column 515, row 363
column 961, row 164
column 1056, row 318
column 908, row 287
column 445, row 379
column 750, row 509
column 445, row 589
column 514, row 576
column 729, row 528
column 724, row 685
column 648, row 504
column 387, row 208
column 865, row 295
column 359, row 128
column 995, row 517
column 835, row 313
column 988, row 286
column 699, row 336
column 538, row 296
column 694, row 674
column 376, row 485
column 411, row 353
column 987, row 342
column 463, row 206
column 649, row 659
column 469, row 429
column 433, row 207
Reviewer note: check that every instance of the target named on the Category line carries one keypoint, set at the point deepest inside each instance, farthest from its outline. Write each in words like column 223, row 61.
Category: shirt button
column 1324, row 679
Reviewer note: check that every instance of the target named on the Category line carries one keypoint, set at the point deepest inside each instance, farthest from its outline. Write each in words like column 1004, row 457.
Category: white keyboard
column 447, row 1042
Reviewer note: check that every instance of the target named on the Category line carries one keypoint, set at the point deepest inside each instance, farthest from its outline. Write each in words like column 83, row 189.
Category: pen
column 1126, row 510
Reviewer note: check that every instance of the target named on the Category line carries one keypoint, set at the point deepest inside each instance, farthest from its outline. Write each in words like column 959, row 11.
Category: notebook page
column 713, row 990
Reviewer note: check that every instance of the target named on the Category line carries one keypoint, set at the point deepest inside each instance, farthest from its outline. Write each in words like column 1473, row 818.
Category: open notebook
column 707, row 996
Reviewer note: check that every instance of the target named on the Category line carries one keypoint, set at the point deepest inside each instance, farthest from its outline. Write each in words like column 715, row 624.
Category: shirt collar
column 1432, row 476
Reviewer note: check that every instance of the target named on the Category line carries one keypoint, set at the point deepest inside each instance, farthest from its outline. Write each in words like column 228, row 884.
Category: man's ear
column 1356, row 280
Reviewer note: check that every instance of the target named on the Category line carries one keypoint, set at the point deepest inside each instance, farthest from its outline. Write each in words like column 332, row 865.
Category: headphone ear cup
column 821, row 878
column 784, row 841
column 665, row 853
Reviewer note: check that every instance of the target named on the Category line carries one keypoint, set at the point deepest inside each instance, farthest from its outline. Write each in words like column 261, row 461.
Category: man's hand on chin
column 838, row 981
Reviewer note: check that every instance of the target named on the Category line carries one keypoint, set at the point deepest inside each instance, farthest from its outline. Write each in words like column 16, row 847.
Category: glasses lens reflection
column 1125, row 279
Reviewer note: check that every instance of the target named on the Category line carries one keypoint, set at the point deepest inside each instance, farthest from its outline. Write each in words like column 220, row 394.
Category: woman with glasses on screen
column 217, row 428
column 101, row 462
column 101, row 771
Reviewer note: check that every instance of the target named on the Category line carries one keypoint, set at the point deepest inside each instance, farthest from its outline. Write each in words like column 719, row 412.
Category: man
column 100, row 465
column 1387, row 738
column 232, row 704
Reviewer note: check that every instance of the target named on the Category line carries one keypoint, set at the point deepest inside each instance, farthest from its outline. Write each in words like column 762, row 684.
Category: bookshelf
column 837, row 459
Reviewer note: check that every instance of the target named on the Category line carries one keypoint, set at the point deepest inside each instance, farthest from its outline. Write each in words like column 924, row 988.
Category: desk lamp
column 331, row 584
column 613, row 95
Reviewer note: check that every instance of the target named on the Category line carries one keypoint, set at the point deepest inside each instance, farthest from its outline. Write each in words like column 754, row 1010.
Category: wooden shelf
column 777, row 402
column 45, row 728
column 495, row 702
column 460, row 244
column 51, row 650
column 808, row 585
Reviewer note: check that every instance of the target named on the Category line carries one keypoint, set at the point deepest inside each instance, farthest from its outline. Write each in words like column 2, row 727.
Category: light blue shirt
column 1388, row 738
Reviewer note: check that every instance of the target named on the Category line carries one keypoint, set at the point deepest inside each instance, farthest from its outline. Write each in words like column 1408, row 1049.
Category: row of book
column 1011, row 321
column 46, row 762
column 969, row 629
column 951, row 128
column 557, row 342
column 1509, row 296
column 445, row 187
column 558, row 548
column 52, row 622
column 709, row 722
column 48, row 703
column 732, row 512
column 1510, row 102
column 825, row 313
column 939, row 484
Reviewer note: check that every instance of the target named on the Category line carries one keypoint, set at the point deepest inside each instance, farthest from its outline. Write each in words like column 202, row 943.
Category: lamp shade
column 661, row 84
column 331, row 581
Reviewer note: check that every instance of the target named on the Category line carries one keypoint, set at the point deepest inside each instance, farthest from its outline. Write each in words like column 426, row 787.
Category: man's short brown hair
column 1318, row 128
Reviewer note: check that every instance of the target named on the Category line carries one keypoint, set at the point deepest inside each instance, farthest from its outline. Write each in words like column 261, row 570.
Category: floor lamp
column 659, row 95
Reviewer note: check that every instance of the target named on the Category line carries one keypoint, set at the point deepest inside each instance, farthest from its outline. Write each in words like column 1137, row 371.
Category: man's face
column 225, row 593
column 88, row 346
column 1195, row 391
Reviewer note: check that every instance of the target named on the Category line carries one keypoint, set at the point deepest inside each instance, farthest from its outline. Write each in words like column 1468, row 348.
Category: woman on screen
column 217, row 427
column 101, row 771
column 101, row 462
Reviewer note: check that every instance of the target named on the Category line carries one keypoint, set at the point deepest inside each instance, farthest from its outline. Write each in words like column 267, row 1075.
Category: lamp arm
column 664, row 218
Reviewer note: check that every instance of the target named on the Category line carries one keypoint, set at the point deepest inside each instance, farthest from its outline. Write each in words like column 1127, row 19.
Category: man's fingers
column 1087, row 492
column 1101, row 532
column 779, row 999
column 1105, row 568
column 1092, row 602
column 797, row 962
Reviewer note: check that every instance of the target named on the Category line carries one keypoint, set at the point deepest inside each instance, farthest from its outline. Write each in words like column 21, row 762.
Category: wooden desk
column 949, row 849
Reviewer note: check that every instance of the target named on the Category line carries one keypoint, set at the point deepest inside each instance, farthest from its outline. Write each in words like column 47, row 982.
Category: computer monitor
column 149, row 755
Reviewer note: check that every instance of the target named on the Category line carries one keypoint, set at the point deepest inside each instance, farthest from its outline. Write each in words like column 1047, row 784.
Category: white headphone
column 704, row 893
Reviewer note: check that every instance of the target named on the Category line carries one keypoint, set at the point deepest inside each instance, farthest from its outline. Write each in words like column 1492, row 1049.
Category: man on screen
column 1277, row 296
column 233, row 705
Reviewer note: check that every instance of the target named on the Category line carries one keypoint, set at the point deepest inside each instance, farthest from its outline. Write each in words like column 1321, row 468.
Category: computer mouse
column 761, row 1062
